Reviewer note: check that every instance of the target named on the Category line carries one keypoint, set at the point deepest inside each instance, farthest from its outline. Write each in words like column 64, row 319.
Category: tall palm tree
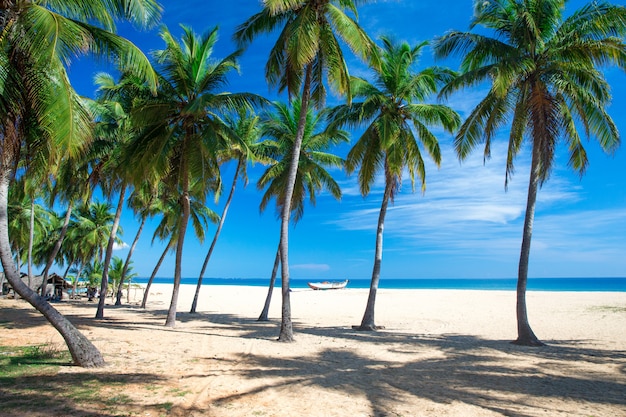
column 89, row 231
column 143, row 201
column 37, row 39
column 397, row 118
column 70, row 186
column 240, row 148
column 306, row 53
column 28, row 221
column 113, row 130
column 281, row 129
column 546, row 84
column 181, row 126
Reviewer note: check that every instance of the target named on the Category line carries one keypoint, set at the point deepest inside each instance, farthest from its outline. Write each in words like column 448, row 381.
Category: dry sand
column 442, row 353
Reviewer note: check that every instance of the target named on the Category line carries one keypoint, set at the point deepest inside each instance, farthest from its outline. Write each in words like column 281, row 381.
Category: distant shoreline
column 493, row 284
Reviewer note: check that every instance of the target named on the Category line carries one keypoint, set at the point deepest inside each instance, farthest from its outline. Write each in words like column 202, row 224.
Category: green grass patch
column 16, row 362
column 177, row 392
column 31, row 384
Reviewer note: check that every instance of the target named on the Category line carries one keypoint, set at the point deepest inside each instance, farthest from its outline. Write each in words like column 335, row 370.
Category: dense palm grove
column 158, row 132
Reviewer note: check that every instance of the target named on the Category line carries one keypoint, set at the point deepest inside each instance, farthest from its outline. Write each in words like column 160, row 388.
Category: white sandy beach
column 442, row 353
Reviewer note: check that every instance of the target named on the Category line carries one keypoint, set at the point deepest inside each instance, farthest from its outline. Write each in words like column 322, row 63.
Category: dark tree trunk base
column 263, row 318
column 283, row 339
column 368, row 328
column 528, row 342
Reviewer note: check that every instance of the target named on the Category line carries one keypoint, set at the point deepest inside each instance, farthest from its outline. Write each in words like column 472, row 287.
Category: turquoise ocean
column 501, row 284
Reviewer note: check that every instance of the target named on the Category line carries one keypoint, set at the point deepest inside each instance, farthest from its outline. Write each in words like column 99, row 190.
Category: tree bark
column 368, row 322
column 83, row 352
column 154, row 272
column 31, row 238
column 109, row 254
column 118, row 300
column 525, row 335
column 185, row 202
column 286, row 326
column 266, row 308
column 57, row 246
column 194, row 304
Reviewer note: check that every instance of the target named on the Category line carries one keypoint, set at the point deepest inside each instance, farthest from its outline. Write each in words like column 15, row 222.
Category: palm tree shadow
column 489, row 374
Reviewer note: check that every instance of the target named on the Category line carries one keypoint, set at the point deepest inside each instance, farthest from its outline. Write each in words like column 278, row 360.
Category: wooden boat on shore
column 328, row 285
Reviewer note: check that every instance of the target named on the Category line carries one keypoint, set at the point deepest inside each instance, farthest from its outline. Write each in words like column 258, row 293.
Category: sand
column 442, row 353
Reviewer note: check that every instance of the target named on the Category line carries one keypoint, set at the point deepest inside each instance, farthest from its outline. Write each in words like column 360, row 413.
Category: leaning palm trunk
column 83, row 352
column 194, row 304
column 266, row 308
column 368, row 322
column 154, row 272
column 107, row 258
column 286, row 326
column 118, row 300
column 57, row 247
column 525, row 335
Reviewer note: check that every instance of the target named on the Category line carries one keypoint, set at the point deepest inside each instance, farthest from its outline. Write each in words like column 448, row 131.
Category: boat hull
column 328, row 285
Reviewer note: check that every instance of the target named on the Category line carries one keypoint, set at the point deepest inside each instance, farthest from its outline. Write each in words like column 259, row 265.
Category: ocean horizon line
column 596, row 284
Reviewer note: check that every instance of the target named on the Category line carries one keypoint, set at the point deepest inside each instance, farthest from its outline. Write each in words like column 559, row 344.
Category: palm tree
column 282, row 127
column 241, row 149
column 37, row 39
column 168, row 228
column 117, row 268
column 546, row 83
column 396, row 119
column 144, row 201
column 181, row 126
column 28, row 221
column 113, row 130
column 70, row 185
column 89, row 231
column 307, row 51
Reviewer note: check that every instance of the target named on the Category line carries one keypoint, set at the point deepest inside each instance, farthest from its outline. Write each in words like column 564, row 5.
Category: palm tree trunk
column 83, row 352
column 266, row 308
column 31, row 238
column 118, row 301
column 286, row 326
column 154, row 272
column 525, row 335
column 57, row 246
column 109, row 253
column 185, row 201
column 194, row 304
column 368, row 322
column 171, row 313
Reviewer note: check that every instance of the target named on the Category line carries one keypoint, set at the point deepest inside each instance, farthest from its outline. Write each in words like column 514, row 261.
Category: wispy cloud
column 311, row 267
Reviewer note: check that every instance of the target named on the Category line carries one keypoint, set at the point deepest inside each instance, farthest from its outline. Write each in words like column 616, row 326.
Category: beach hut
column 54, row 289
column 55, row 286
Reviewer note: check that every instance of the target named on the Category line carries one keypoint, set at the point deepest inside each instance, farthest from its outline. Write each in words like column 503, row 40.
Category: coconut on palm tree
column 280, row 127
column 396, row 118
column 307, row 54
column 546, row 84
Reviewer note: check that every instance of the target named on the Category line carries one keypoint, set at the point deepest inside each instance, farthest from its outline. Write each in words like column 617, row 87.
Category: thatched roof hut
column 56, row 282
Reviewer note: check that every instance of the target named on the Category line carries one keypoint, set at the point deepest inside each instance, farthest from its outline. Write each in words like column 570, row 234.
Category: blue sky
column 464, row 226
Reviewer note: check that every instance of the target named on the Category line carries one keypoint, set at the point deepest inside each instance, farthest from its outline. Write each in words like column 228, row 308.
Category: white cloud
column 311, row 267
column 120, row 246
